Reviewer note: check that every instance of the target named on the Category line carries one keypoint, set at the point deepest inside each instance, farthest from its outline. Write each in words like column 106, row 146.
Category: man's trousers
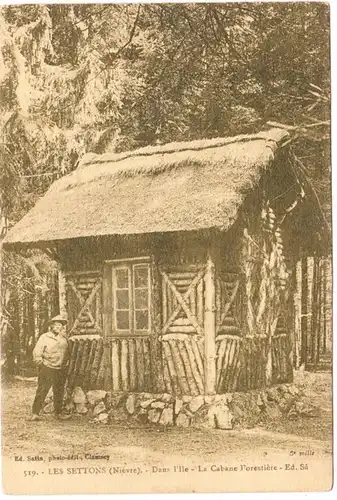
column 49, row 377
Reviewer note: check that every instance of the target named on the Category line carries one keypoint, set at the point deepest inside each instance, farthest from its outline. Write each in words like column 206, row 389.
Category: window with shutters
column 130, row 297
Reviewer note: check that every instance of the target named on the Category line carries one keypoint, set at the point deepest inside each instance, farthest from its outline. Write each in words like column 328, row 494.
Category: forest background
column 112, row 77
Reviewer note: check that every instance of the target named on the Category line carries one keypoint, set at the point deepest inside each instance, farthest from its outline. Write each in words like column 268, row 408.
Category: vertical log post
column 107, row 325
column 156, row 354
column 107, row 302
column 107, row 377
column 210, row 328
column 62, row 292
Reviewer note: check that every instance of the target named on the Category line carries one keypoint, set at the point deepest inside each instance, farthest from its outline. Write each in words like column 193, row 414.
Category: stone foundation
column 222, row 411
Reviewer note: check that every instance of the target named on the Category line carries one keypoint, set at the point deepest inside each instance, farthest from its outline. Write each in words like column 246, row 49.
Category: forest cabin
column 177, row 263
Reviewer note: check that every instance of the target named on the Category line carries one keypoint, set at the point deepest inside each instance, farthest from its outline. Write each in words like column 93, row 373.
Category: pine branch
column 297, row 128
column 92, row 14
column 112, row 57
column 312, row 192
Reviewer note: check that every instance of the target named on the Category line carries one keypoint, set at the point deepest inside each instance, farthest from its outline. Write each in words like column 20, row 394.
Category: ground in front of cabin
column 132, row 443
column 80, row 456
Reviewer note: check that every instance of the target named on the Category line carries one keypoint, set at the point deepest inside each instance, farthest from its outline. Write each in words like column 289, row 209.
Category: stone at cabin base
column 196, row 403
column 223, row 418
column 182, row 420
column 186, row 398
column 100, row 408
column 154, row 416
column 103, row 418
column 81, row 408
column 222, row 411
column 166, row 417
column 178, row 406
column 166, row 398
column 95, row 396
column 119, row 415
column 146, row 403
column 78, row 395
column 131, row 404
column 158, row 404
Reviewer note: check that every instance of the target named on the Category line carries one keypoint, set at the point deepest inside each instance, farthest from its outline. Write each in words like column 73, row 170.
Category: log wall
column 281, row 358
column 229, row 339
column 241, row 362
column 229, row 304
column 182, row 300
column 122, row 364
column 229, row 362
column 125, row 364
column 86, row 362
column 242, row 348
column 84, row 302
column 172, row 357
column 183, row 364
column 129, row 363
column 254, row 353
column 182, row 328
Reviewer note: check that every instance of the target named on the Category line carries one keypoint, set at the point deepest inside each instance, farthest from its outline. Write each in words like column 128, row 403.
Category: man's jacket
column 52, row 351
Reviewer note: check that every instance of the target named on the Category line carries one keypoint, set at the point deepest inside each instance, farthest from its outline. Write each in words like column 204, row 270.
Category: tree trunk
column 298, row 313
column 304, row 318
column 3, row 316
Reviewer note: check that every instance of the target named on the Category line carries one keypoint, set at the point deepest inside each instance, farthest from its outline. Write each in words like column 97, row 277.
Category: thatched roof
column 173, row 187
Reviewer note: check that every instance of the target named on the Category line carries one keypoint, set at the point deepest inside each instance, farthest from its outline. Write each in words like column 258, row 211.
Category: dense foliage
column 80, row 78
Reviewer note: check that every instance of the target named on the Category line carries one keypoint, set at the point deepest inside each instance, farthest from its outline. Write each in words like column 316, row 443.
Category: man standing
column 51, row 354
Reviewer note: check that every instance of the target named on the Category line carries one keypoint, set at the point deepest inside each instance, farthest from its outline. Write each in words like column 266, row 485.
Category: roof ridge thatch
column 275, row 136
column 154, row 160
column 174, row 187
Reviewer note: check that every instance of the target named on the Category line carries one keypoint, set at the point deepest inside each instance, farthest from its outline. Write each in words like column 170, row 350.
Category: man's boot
column 35, row 418
column 62, row 416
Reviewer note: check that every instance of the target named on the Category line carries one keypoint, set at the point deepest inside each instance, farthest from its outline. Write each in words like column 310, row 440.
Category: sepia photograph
column 166, row 247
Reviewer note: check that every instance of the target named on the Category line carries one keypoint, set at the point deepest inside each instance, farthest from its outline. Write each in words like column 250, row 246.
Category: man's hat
column 59, row 318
